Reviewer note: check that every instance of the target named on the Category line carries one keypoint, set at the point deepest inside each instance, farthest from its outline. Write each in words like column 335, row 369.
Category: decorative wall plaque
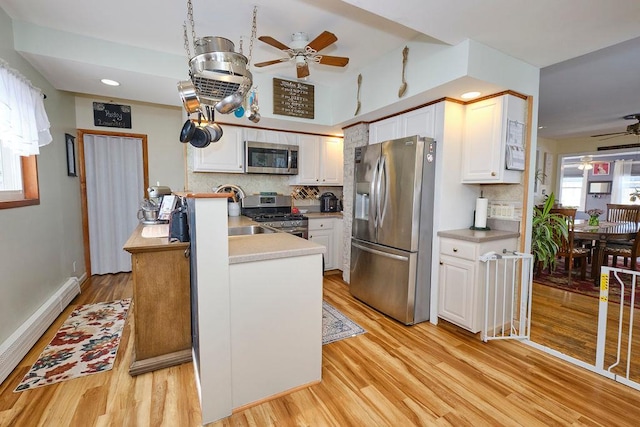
column 111, row 115
column 293, row 99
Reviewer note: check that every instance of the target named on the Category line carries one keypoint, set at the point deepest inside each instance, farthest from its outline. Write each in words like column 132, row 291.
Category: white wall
column 39, row 244
column 161, row 124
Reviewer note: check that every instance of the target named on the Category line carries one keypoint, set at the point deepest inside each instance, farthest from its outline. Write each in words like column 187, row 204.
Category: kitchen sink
column 248, row 230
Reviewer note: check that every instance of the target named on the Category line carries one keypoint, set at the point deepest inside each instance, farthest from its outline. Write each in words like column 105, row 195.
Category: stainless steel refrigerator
column 392, row 232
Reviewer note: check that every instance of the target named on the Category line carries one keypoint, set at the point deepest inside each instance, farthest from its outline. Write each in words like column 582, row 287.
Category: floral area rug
column 87, row 343
column 336, row 326
column 559, row 279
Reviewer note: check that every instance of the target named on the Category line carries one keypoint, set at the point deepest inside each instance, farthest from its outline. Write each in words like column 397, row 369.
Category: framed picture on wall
column 601, row 168
column 71, row 154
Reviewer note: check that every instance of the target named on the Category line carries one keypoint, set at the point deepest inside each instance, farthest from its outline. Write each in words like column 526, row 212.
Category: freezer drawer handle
column 374, row 251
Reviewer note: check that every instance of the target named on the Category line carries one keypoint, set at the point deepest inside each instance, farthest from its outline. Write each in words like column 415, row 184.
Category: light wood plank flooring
column 568, row 322
column 392, row 375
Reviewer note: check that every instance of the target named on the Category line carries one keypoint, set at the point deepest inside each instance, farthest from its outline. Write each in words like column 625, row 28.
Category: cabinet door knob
column 187, row 252
column 441, row 263
column 493, row 174
column 455, row 249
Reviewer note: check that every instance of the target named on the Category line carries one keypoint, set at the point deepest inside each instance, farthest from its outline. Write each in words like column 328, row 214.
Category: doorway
column 113, row 170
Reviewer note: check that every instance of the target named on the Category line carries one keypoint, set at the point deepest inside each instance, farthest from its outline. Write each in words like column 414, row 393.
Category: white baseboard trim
column 14, row 348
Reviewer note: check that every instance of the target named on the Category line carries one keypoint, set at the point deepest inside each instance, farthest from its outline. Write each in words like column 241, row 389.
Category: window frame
column 30, row 194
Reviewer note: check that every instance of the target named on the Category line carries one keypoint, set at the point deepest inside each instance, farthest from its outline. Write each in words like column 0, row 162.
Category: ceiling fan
column 633, row 129
column 302, row 51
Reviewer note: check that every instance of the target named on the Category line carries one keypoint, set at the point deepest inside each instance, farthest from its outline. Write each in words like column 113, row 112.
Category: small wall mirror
column 599, row 187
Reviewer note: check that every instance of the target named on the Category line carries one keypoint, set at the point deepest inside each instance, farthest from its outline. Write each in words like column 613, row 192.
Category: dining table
column 602, row 233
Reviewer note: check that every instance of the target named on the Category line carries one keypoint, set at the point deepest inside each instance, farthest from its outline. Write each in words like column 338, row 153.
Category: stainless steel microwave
column 261, row 157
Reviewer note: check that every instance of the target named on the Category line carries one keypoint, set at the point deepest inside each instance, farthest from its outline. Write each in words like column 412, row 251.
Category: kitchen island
column 161, row 311
column 258, row 310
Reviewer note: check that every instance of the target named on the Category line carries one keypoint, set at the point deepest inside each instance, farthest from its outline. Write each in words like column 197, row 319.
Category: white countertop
column 259, row 247
column 478, row 236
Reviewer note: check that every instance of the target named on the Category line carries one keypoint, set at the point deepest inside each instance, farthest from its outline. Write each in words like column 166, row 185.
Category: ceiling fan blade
column 607, row 134
column 303, row 70
column 338, row 61
column 273, row 42
column 322, row 41
column 275, row 61
column 614, row 136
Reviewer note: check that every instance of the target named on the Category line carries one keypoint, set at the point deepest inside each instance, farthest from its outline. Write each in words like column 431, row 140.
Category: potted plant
column 546, row 229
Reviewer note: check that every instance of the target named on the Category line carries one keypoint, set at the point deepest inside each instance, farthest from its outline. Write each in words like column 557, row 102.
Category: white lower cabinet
column 328, row 232
column 226, row 155
column 461, row 283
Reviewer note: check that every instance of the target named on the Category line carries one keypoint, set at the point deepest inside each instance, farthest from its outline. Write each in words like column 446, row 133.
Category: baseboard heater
column 14, row 348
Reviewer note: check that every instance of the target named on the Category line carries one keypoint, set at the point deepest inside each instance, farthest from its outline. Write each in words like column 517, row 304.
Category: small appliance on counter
column 328, row 202
column 157, row 192
column 149, row 212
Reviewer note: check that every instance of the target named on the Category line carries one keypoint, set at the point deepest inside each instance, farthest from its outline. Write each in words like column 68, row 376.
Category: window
column 19, row 179
column 572, row 191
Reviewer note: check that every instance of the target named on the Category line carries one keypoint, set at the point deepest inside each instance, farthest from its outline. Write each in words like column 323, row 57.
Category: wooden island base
column 147, row 365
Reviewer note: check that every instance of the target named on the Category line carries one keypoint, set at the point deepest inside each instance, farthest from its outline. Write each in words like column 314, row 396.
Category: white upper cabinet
column 486, row 130
column 420, row 122
column 271, row 136
column 226, row 155
column 320, row 161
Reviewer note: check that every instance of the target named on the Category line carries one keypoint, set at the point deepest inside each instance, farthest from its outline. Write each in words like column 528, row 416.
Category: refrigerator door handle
column 383, row 171
column 374, row 199
column 379, row 168
column 377, row 252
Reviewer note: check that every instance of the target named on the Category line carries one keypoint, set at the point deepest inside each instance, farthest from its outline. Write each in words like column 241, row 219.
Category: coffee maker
column 328, row 202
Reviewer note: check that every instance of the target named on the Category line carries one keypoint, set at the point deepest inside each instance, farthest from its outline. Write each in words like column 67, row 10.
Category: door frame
column 83, row 181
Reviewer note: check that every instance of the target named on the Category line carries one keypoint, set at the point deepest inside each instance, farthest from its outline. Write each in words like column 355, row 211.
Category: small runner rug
column 336, row 326
column 87, row 343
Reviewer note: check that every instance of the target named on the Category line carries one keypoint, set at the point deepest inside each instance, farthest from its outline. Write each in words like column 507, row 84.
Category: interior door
column 113, row 184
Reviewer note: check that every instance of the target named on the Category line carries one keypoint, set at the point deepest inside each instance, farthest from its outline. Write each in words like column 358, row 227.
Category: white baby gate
column 611, row 277
column 507, row 299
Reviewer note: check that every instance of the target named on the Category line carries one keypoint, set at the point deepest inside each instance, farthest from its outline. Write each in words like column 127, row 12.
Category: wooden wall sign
column 293, row 99
column 111, row 115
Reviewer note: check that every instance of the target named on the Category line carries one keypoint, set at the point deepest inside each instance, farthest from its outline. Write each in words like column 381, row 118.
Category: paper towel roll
column 482, row 205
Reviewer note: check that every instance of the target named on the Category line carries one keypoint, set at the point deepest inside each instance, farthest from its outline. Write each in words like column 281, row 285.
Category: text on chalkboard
column 293, row 99
column 111, row 115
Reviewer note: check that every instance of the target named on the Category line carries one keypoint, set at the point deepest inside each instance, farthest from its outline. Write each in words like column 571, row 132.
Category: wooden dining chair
column 631, row 252
column 567, row 249
column 621, row 213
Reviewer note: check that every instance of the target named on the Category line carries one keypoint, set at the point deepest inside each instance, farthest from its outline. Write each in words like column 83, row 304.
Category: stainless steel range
column 275, row 211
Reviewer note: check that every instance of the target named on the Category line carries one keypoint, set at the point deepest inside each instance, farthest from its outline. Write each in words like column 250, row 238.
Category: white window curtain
column 621, row 179
column 24, row 125
column 115, row 188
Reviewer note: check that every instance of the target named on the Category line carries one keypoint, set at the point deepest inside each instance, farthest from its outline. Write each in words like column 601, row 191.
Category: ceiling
column 588, row 50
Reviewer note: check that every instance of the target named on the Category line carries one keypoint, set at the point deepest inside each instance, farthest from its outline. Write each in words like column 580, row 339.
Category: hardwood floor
column 568, row 323
column 392, row 375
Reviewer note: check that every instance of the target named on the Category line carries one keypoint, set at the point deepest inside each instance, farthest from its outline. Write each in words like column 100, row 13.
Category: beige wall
column 161, row 124
column 39, row 244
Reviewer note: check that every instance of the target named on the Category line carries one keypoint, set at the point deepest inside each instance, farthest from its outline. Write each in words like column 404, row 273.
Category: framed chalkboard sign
column 293, row 99
column 112, row 115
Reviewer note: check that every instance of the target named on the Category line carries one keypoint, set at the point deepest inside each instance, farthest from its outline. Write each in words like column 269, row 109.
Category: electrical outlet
column 74, row 266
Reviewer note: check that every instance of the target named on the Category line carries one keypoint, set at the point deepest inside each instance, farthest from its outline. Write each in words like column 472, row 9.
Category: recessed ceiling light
column 110, row 82
column 470, row 95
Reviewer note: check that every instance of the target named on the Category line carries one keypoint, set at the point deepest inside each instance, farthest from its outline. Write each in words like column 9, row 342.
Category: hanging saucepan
column 214, row 129
column 230, row 103
column 189, row 97
column 188, row 129
column 201, row 138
